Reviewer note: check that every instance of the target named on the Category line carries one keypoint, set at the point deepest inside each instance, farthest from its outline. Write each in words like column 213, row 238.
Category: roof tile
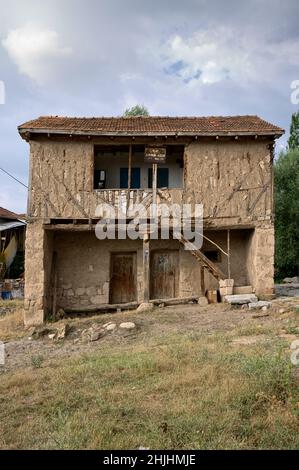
column 152, row 124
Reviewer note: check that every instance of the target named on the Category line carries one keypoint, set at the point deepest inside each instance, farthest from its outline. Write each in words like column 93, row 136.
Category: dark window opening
column 162, row 177
column 213, row 255
column 111, row 167
column 99, row 179
column 135, row 178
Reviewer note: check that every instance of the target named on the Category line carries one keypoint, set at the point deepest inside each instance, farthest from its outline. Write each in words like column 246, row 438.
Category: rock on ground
column 202, row 301
column 128, row 325
column 240, row 299
column 291, row 280
column 260, row 304
column 145, row 306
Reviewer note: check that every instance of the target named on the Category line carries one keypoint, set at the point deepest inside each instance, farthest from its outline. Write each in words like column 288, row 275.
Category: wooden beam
column 102, row 308
column 228, row 254
column 54, row 286
column 175, row 300
column 213, row 243
column 202, row 280
column 129, row 167
column 146, row 268
column 154, row 187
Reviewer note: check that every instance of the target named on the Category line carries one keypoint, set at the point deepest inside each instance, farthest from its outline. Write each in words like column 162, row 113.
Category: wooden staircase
column 202, row 259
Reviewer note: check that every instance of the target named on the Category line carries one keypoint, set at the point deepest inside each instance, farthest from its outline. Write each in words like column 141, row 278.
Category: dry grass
column 11, row 324
column 168, row 387
column 178, row 391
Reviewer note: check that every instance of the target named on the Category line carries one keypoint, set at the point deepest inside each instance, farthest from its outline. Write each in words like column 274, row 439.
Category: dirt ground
column 21, row 349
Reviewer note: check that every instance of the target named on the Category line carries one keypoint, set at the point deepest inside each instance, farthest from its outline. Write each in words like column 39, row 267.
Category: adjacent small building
column 79, row 164
column 12, row 243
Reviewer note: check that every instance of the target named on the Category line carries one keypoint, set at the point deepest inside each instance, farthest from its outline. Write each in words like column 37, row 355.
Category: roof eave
column 273, row 133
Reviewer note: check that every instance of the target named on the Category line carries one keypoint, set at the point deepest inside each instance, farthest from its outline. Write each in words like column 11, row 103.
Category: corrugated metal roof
column 9, row 225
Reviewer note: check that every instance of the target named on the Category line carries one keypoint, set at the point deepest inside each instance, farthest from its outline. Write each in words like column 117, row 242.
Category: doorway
column 122, row 278
column 164, row 274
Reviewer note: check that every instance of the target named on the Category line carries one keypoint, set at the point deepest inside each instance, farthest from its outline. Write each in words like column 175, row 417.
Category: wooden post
column 154, row 187
column 129, row 167
column 228, row 253
column 146, row 268
column 202, row 280
column 54, row 287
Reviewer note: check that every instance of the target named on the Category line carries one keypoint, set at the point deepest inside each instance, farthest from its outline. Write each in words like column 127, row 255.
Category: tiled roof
column 152, row 125
column 6, row 214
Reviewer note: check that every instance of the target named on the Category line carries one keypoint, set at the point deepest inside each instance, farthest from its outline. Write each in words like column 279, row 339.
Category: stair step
column 243, row 290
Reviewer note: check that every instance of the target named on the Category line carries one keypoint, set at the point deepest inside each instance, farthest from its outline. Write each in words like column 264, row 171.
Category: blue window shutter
column 123, row 178
column 135, row 178
column 162, row 177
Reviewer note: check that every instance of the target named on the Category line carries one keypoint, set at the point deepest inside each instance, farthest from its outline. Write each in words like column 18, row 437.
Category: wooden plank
column 155, row 154
column 228, row 254
column 146, row 268
column 122, row 278
column 54, row 286
column 103, row 308
column 202, row 280
column 164, row 265
column 130, row 166
column 175, row 300
column 154, row 187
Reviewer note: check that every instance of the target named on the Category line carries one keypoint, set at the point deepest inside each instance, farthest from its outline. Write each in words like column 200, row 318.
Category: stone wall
column 260, row 260
column 38, row 264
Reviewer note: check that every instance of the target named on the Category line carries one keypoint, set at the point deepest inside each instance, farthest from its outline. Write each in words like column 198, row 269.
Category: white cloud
column 207, row 56
column 35, row 51
column 214, row 55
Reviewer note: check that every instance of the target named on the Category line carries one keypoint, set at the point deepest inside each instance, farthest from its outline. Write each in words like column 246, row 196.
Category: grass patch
column 177, row 391
column 11, row 319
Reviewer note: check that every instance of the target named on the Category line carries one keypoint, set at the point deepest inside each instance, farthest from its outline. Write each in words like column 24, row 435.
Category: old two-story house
column 79, row 164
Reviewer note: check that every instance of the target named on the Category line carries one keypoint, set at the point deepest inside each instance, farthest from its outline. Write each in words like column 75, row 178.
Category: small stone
column 95, row 335
column 127, row 325
column 62, row 331
column 111, row 327
column 260, row 304
column 239, row 299
column 281, row 310
column 161, row 305
column 264, row 308
column 31, row 331
column 51, row 335
column 145, row 306
column 291, row 280
column 202, row 301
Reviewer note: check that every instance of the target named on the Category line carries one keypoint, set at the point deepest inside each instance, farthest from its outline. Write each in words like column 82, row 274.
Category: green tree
column 287, row 214
column 293, row 142
column 138, row 110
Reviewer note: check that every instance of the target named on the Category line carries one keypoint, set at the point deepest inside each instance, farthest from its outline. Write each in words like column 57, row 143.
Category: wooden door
column 122, row 278
column 164, row 274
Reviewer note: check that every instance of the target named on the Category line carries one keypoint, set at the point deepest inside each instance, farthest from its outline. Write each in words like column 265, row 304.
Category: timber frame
column 227, row 167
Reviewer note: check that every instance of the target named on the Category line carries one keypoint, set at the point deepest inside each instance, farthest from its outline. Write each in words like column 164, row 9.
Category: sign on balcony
column 155, row 154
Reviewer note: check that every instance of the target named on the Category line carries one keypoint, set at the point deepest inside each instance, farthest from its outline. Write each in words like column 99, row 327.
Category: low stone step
column 243, row 290
column 240, row 299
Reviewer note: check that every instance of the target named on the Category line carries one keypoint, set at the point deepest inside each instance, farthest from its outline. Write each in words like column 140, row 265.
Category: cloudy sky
column 97, row 57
